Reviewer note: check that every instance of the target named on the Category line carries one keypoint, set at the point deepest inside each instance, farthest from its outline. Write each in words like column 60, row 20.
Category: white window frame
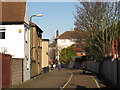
column 2, row 29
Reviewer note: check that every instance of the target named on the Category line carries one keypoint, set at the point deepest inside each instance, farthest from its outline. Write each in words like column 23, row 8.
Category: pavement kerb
column 90, row 76
column 69, row 79
column 95, row 81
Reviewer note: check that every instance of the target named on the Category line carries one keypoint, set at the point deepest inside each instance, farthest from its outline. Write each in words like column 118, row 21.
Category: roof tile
column 13, row 11
column 73, row 35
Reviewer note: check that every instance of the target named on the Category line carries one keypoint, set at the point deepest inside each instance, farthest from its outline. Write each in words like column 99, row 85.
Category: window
column 2, row 33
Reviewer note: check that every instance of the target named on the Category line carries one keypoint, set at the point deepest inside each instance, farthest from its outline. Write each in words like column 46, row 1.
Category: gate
column 6, row 70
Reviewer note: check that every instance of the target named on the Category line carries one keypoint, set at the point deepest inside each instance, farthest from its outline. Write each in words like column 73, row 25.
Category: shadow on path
column 102, row 81
column 78, row 87
column 81, row 73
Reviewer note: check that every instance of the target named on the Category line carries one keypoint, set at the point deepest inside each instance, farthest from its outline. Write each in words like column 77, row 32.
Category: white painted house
column 69, row 38
column 15, row 33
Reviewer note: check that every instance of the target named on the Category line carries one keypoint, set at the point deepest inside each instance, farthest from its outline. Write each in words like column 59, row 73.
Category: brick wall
column 17, row 71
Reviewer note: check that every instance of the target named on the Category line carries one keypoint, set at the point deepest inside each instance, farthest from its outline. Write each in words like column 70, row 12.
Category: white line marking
column 67, row 81
column 95, row 81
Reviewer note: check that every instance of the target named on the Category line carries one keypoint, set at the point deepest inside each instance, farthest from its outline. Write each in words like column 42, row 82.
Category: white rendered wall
column 63, row 43
column 14, row 41
column 15, row 44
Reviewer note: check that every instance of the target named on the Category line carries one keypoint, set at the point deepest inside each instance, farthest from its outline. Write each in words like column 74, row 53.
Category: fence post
column 117, row 67
column 118, row 63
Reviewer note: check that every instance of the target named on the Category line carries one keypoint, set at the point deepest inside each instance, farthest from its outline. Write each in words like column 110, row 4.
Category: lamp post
column 30, row 26
column 37, row 15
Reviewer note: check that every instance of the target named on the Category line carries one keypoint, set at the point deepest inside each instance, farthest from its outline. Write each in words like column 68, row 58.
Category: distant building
column 15, row 33
column 69, row 38
column 45, row 55
column 79, row 48
column 52, row 50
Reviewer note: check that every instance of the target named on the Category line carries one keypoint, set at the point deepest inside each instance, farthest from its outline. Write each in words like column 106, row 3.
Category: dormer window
column 2, row 33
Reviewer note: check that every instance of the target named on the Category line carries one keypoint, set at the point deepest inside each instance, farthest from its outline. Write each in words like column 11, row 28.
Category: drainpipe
column 31, row 53
column 30, row 50
column 30, row 25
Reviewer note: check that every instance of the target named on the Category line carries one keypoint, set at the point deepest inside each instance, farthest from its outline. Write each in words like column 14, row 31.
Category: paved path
column 63, row 79
column 80, row 80
column 87, row 80
column 53, row 79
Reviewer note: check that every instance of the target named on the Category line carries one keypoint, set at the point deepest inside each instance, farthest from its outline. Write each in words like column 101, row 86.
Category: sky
column 56, row 16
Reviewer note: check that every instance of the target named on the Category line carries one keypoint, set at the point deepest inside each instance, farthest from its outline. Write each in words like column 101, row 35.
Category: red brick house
column 79, row 48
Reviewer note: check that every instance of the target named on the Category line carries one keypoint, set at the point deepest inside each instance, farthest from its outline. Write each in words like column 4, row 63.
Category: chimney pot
column 57, row 33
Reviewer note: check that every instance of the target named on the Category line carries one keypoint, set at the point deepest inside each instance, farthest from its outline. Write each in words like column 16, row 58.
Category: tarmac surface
column 52, row 79
column 80, row 80
column 64, row 79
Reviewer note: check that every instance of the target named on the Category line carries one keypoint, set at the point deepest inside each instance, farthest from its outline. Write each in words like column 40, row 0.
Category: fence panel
column 17, row 71
column 119, row 73
column 6, row 70
column 107, row 68
column 93, row 66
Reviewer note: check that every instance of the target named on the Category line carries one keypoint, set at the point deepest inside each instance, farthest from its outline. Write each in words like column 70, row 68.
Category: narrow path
column 53, row 79
column 80, row 80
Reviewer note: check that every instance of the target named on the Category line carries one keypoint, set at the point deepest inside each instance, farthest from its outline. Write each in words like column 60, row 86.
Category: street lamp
column 30, row 26
column 37, row 15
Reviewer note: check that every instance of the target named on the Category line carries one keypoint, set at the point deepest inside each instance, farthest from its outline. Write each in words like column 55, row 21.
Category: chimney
column 57, row 33
column 76, row 29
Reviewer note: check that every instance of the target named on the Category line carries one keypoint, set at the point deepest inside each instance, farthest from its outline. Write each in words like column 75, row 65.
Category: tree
column 99, row 19
column 65, row 55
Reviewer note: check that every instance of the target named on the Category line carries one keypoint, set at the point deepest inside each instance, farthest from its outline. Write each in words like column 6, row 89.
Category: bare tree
column 99, row 19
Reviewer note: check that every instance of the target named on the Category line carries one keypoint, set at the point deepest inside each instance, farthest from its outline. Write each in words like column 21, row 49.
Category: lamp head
column 39, row 15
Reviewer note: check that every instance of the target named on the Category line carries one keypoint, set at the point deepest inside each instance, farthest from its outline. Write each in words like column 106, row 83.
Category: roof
column 13, row 11
column 80, row 54
column 73, row 35
column 35, row 25
column 79, row 47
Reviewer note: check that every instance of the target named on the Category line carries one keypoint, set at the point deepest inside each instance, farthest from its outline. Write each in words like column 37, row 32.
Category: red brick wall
column 6, row 70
